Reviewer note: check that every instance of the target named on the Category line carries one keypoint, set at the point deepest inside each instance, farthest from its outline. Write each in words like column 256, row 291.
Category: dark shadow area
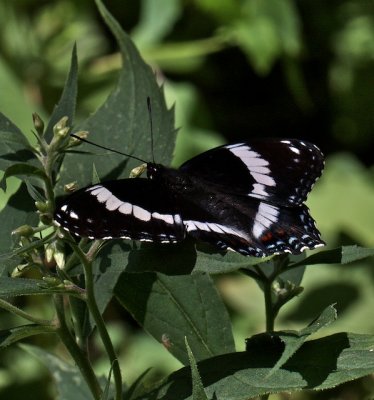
column 271, row 344
column 169, row 259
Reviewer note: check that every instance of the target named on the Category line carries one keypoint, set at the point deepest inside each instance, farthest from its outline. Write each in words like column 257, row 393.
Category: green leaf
column 198, row 392
column 12, row 335
column 192, row 306
column 20, row 210
column 222, row 263
column 67, row 103
column 122, row 121
column 294, row 340
column 318, row 364
column 68, row 380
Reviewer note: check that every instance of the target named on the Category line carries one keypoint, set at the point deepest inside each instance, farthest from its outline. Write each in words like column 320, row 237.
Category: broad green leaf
column 198, row 392
column 20, row 210
column 12, row 335
column 122, row 121
column 67, row 103
column 318, row 364
column 68, row 380
column 294, row 340
column 192, row 306
column 221, row 263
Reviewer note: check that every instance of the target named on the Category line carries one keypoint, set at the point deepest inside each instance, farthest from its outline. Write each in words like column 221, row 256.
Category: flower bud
column 60, row 129
column 70, row 187
column 75, row 141
column 38, row 123
column 137, row 171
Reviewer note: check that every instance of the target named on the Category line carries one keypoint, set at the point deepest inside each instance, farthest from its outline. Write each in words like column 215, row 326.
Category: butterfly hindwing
column 249, row 226
column 278, row 171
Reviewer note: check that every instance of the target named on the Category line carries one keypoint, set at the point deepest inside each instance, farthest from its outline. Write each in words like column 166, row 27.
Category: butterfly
column 246, row 197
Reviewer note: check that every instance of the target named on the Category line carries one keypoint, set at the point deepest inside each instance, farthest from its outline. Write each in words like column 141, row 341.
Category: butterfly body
column 246, row 197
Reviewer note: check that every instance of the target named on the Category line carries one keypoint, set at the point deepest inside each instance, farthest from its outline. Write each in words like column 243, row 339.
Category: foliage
column 170, row 291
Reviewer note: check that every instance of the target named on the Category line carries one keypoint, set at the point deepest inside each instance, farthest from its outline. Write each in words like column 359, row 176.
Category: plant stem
column 75, row 351
column 269, row 310
column 95, row 312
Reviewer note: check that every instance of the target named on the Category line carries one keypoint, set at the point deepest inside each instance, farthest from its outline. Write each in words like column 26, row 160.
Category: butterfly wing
column 278, row 171
column 134, row 209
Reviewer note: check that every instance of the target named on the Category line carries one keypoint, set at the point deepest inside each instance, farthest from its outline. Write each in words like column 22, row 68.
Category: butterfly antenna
column 107, row 148
column 149, row 105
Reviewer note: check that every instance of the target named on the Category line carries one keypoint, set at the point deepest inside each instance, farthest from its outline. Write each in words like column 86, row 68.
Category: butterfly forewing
column 278, row 171
column 128, row 208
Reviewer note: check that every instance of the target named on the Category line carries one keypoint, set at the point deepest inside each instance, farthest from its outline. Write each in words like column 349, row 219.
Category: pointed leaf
column 198, row 392
column 294, row 340
column 67, row 103
column 173, row 307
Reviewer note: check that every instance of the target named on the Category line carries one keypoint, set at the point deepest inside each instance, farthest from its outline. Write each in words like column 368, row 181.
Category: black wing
column 275, row 170
column 134, row 209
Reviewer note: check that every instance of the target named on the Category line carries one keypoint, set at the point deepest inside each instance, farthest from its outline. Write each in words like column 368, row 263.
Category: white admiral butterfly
column 246, row 197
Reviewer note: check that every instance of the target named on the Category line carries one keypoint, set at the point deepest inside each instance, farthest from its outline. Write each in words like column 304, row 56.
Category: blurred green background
column 235, row 69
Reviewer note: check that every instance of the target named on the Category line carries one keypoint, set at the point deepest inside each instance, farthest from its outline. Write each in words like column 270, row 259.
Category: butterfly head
column 154, row 170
